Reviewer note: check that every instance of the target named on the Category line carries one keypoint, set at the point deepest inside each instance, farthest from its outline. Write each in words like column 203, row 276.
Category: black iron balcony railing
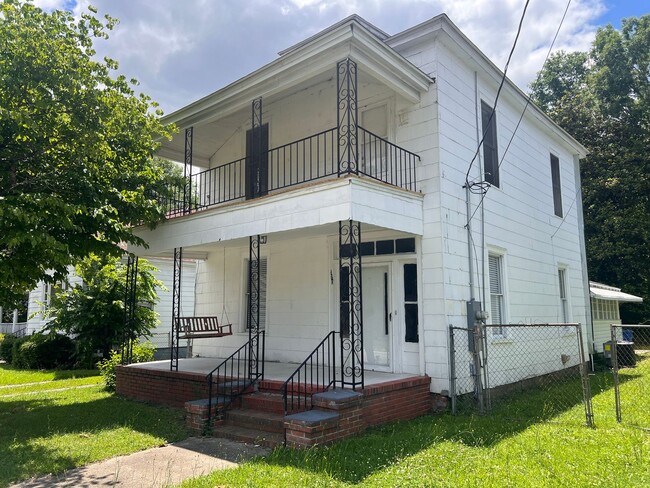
column 308, row 159
column 386, row 161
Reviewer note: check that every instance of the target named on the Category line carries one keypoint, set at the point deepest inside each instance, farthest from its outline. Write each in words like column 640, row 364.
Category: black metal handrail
column 237, row 373
column 316, row 373
column 385, row 161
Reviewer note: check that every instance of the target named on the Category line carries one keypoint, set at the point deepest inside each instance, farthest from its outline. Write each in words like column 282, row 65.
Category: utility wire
column 496, row 99
column 528, row 101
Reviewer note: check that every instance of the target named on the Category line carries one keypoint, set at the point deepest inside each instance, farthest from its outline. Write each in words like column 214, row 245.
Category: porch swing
column 207, row 326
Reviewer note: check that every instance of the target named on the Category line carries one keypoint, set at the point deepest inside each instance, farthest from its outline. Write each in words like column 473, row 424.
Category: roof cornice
column 350, row 39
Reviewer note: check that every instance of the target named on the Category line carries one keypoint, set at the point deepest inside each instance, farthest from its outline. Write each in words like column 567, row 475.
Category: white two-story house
column 341, row 190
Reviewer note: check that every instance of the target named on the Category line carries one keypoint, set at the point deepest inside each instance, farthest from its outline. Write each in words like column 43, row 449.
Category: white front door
column 376, row 317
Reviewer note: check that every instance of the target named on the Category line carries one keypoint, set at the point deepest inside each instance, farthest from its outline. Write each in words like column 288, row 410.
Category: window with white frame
column 262, row 291
column 497, row 298
column 606, row 310
column 564, row 299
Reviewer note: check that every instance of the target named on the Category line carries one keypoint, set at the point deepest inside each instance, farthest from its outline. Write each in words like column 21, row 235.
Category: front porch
column 260, row 415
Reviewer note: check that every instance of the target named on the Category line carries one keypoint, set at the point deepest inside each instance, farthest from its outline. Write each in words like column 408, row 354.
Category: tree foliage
column 603, row 98
column 76, row 147
column 93, row 311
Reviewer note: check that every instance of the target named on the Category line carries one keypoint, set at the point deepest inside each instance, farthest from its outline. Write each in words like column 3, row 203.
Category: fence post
column 584, row 375
column 452, row 370
column 617, row 393
column 476, row 353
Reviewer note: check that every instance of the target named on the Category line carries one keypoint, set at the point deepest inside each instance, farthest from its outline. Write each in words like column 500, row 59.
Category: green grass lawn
column 481, row 451
column 45, row 432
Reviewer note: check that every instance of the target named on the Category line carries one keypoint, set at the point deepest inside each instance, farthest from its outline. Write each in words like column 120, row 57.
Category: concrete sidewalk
column 153, row 468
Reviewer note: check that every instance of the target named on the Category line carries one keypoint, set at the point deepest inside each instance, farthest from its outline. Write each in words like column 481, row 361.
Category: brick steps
column 249, row 436
column 255, row 419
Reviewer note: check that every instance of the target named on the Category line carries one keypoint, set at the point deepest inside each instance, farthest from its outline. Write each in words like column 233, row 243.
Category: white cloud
column 181, row 51
column 51, row 4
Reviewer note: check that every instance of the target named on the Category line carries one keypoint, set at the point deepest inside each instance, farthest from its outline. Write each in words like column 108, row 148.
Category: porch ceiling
column 316, row 209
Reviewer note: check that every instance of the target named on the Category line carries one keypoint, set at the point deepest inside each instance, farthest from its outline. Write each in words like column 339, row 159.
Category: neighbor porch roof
column 605, row 292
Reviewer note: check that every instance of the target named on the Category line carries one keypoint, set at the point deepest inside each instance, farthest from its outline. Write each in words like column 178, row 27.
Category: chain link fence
column 628, row 354
column 523, row 371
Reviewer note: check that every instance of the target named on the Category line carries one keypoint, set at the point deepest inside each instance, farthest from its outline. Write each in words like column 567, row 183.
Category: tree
column 76, row 147
column 93, row 311
column 603, row 99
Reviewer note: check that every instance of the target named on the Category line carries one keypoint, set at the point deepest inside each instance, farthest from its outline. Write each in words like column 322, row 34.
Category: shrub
column 142, row 352
column 6, row 345
column 43, row 351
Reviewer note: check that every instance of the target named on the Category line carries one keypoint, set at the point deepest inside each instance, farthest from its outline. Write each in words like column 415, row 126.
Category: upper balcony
column 315, row 157
column 325, row 108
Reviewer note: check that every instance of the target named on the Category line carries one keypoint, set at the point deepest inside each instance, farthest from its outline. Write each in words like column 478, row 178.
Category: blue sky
column 620, row 9
column 183, row 50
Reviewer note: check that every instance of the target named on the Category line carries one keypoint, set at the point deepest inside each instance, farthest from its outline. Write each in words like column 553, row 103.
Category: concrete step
column 249, row 436
column 256, row 419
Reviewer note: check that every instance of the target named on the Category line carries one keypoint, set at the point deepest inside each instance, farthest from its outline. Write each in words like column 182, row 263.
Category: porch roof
column 311, row 208
column 606, row 292
column 315, row 56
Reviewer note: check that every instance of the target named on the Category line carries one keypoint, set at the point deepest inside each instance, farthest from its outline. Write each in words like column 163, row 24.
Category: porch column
column 346, row 112
column 129, row 308
column 253, row 318
column 176, row 307
column 187, row 171
column 351, row 305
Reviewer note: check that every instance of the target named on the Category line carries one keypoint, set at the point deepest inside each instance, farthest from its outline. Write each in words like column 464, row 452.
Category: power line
column 496, row 99
column 520, row 118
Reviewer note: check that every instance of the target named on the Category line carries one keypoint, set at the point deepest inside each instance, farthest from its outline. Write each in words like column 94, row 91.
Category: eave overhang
column 350, row 39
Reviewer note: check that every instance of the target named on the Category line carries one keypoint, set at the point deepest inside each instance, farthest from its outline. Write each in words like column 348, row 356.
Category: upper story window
column 490, row 154
column 557, row 188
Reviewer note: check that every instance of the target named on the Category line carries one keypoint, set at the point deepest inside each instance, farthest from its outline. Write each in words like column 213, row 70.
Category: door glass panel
column 376, row 343
column 411, row 303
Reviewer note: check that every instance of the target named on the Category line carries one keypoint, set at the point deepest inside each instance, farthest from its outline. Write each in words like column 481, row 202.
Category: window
column 263, row 280
column 497, row 301
column 564, row 299
column 51, row 291
column 490, row 154
column 557, row 188
column 411, row 302
column 606, row 310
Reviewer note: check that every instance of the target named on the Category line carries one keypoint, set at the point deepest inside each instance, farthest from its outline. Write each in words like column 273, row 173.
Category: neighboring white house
column 39, row 299
column 357, row 125
column 605, row 301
